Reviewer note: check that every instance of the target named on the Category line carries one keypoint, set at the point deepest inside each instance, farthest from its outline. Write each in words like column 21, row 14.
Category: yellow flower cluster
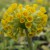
column 30, row 17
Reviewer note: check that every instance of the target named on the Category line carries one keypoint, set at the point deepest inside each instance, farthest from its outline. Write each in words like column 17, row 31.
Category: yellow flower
column 9, row 34
column 28, row 25
column 9, row 18
column 25, row 13
column 39, row 28
column 35, row 5
column 20, row 6
column 22, row 20
column 31, row 34
column 45, row 16
column 44, row 19
column 40, row 14
column 12, row 8
column 30, row 18
column 18, row 15
column 7, row 27
column 4, row 22
column 27, row 7
column 5, row 15
column 32, row 9
column 42, row 9
column 39, row 1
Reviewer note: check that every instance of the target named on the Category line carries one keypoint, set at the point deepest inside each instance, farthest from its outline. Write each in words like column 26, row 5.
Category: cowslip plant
column 24, row 19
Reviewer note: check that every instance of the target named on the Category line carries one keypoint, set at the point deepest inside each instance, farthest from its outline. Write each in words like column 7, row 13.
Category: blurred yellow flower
column 22, row 20
column 44, row 19
column 4, row 22
column 9, row 10
column 28, row 25
column 7, row 27
column 20, row 6
column 25, row 13
column 39, row 28
column 18, row 15
column 32, row 9
column 45, row 16
column 5, row 15
column 35, row 6
column 40, row 14
column 30, row 18
column 27, row 7
column 42, row 9
column 31, row 34
column 9, row 18
column 9, row 34
column 12, row 8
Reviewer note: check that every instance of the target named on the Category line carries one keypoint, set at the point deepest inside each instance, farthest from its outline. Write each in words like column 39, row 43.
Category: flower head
column 22, row 20
column 42, row 9
column 28, row 25
column 18, row 18
column 30, row 19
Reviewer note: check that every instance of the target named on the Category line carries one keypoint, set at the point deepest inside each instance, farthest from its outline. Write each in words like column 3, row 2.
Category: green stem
column 29, row 40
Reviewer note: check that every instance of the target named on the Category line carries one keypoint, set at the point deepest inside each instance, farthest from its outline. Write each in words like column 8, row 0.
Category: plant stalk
column 29, row 40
